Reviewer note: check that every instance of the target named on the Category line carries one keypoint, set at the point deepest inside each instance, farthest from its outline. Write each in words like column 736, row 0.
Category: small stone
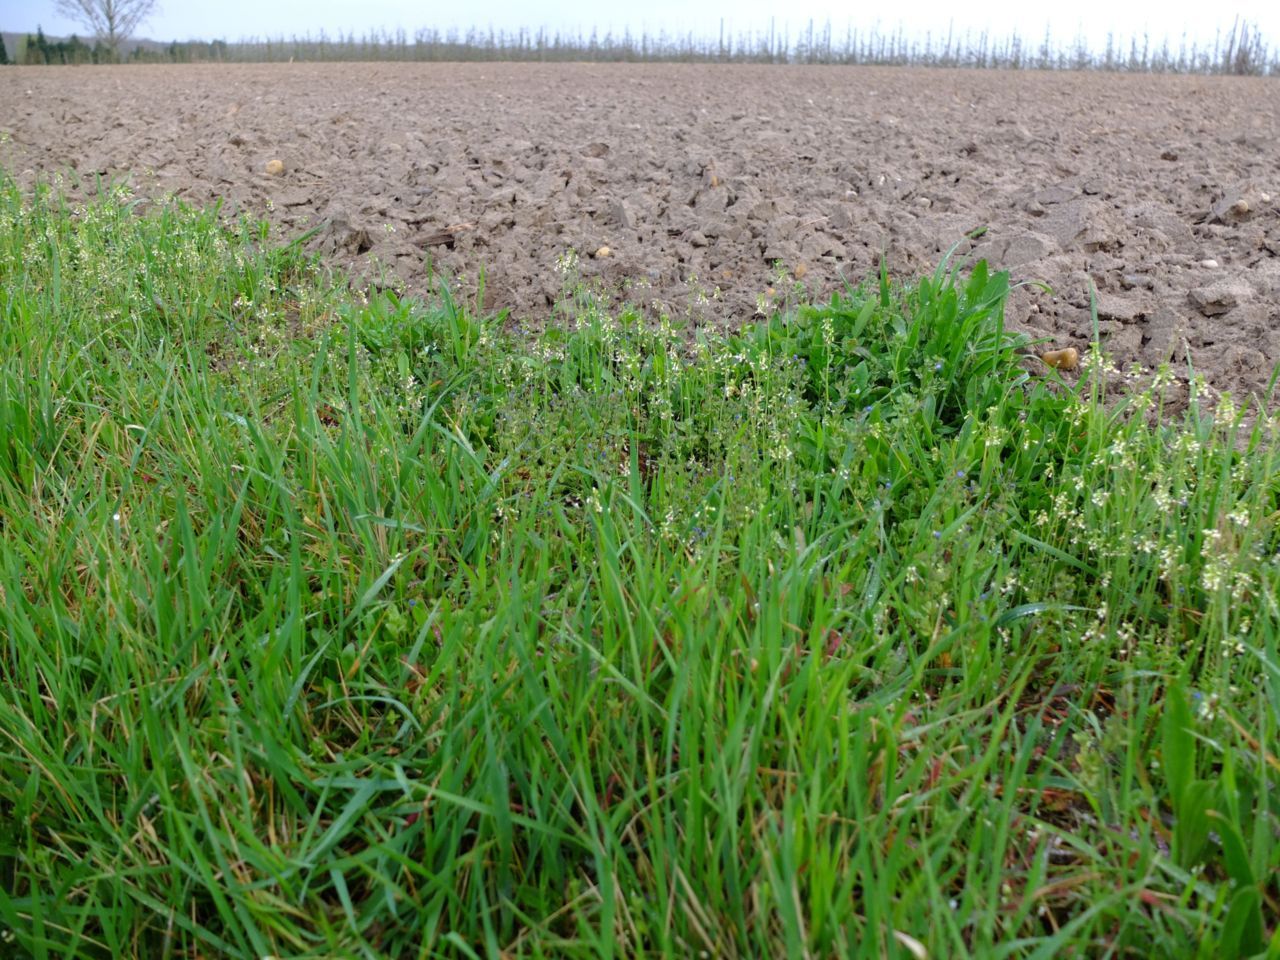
column 1065, row 359
column 800, row 271
column 1231, row 209
column 275, row 167
column 1209, row 264
column 924, row 202
column 1264, row 198
column 698, row 239
column 1169, row 155
column 603, row 252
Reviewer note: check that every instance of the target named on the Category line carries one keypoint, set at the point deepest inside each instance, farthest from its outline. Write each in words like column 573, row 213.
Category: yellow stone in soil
column 1067, row 359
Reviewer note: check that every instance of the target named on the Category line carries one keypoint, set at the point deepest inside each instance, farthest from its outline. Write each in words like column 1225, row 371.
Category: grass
column 337, row 626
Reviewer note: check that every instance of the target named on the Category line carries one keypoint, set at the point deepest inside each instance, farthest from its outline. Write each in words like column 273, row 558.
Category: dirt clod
column 1220, row 297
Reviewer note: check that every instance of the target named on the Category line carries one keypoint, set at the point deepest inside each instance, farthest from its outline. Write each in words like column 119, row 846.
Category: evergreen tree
column 4, row 54
column 76, row 51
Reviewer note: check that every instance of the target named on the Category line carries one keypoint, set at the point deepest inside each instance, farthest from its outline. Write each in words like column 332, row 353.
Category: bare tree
column 112, row 21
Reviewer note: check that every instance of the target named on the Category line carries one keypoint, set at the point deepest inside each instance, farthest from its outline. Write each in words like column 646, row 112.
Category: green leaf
column 1191, row 824
column 1234, row 854
column 864, row 317
column 1178, row 747
column 1242, row 926
column 1033, row 609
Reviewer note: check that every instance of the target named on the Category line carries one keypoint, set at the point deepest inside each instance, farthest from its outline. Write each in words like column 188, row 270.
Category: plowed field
column 700, row 180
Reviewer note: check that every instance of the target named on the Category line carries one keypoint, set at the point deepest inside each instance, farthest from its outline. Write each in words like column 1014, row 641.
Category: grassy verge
column 344, row 628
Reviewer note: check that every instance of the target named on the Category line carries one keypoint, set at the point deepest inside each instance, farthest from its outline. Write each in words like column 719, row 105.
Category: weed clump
column 341, row 625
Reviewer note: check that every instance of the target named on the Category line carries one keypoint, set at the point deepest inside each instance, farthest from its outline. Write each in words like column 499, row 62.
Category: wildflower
column 1226, row 409
column 1239, row 516
column 1214, row 574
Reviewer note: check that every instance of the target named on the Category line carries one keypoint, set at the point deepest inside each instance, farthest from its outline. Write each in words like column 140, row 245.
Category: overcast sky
column 235, row 19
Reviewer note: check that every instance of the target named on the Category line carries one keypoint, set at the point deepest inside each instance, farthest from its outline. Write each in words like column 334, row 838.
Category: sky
column 1093, row 19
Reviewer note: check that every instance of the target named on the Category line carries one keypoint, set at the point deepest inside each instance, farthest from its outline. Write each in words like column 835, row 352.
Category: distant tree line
column 37, row 49
column 1241, row 51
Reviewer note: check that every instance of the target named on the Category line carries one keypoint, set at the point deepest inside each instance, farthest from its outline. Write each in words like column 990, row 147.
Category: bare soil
column 1162, row 191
